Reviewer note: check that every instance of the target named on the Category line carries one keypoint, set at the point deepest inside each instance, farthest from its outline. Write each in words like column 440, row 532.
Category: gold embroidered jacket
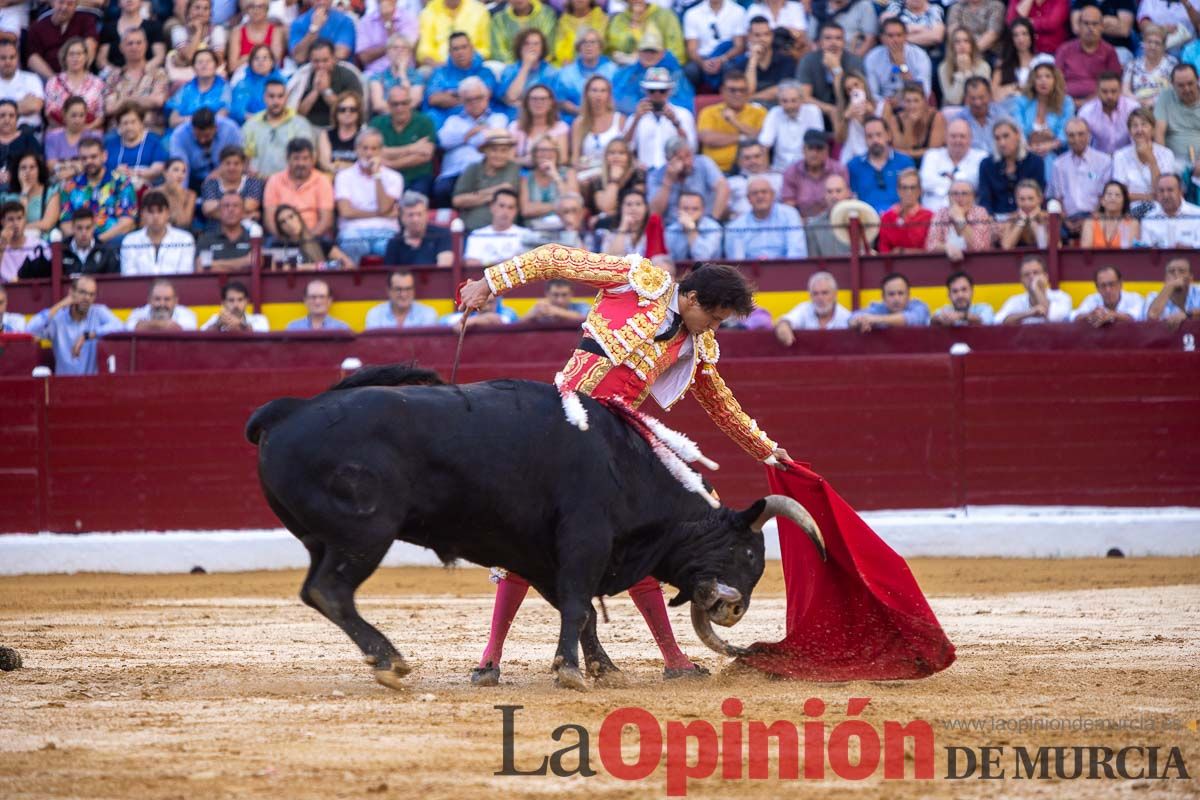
column 632, row 305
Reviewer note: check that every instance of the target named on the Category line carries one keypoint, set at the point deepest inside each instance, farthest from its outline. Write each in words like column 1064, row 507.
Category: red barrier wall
column 532, row 343
column 165, row 450
column 19, row 353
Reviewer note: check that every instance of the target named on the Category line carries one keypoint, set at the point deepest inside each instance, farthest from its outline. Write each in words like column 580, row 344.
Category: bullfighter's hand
column 475, row 295
column 781, row 457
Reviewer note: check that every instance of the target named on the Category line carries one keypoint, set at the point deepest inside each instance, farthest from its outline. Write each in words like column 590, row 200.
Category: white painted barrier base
column 1000, row 531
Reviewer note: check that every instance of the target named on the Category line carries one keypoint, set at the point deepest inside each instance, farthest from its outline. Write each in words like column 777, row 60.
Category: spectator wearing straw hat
column 818, row 230
column 478, row 184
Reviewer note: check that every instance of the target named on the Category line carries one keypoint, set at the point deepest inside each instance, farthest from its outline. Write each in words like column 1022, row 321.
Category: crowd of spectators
column 160, row 137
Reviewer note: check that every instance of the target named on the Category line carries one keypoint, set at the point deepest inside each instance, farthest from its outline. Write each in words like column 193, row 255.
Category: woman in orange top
column 1111, row 227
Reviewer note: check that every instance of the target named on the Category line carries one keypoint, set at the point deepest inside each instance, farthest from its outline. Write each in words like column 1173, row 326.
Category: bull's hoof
column 570, row 678
column 391, row 675
column 486, row 676
column 607, row 675
column 695, row 672
column 613, row 679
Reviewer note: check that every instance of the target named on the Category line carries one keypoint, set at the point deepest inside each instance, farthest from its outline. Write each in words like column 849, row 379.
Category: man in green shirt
column 267, row 133
column 1178, row 117
column 477, row 185
column 407, row 141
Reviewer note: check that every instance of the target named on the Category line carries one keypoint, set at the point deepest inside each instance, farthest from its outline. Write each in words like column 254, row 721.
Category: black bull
column 493, row 473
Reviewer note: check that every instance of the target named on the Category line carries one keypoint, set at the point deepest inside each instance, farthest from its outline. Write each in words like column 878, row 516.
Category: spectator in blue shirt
column 441, row 93
column 492, row 313
column 873, row 175
column 627, row 81
column 401, row 310
column 321, row 22
column 962, row 310
column 768, row 230
column 1179, row 299
column 131, row 146
column 72, row 325
column 685, row 171
column 200, row 143
column 897, row 310
column 206, row 90
column 557, row 305
column 318, row 297
column 693, row 236
column 1009, row 164
column 570, row 80
column 531, row 68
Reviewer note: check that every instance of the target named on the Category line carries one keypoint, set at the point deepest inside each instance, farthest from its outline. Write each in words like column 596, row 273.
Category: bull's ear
column 679, row 599
column 751, row 515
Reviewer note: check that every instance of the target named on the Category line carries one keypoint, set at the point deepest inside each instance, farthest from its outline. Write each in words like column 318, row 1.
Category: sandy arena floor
column 227, row 686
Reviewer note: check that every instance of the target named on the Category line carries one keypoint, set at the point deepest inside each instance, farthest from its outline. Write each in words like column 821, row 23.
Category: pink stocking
column 510, row 593
column 648, row 598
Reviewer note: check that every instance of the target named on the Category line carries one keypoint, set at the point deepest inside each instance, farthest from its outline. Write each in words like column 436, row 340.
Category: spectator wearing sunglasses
column 874, row 175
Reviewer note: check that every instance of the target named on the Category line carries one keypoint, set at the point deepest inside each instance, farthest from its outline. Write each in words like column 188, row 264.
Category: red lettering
column 787, row 744
column 894, row 736
column 868, row 744
column 649, row 743
column 814, row 740
column 678, row 769
column 731, row 740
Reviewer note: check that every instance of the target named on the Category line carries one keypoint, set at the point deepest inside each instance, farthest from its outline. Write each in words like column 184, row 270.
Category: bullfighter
column 646, row 335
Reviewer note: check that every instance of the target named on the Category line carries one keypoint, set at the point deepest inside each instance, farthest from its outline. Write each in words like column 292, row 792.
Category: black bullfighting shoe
column 695, row 672
column 487, row 675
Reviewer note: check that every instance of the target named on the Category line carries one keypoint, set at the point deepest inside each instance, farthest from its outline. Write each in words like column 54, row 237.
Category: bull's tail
column 269, row 414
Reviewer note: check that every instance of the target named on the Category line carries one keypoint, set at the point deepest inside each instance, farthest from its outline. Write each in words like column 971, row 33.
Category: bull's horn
column 778, row 505
column 728, row 593
column 704, row 630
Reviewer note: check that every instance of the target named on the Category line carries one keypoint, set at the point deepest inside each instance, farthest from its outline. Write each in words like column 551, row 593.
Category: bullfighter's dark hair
column 720, row 286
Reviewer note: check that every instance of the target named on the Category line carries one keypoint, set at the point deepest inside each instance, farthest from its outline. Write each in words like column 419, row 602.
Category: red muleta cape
column 858, row 616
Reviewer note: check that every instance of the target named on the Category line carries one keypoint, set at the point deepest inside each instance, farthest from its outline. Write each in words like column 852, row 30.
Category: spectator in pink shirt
column 1049, row 19
column 1082, row 60
column 1107, row 114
